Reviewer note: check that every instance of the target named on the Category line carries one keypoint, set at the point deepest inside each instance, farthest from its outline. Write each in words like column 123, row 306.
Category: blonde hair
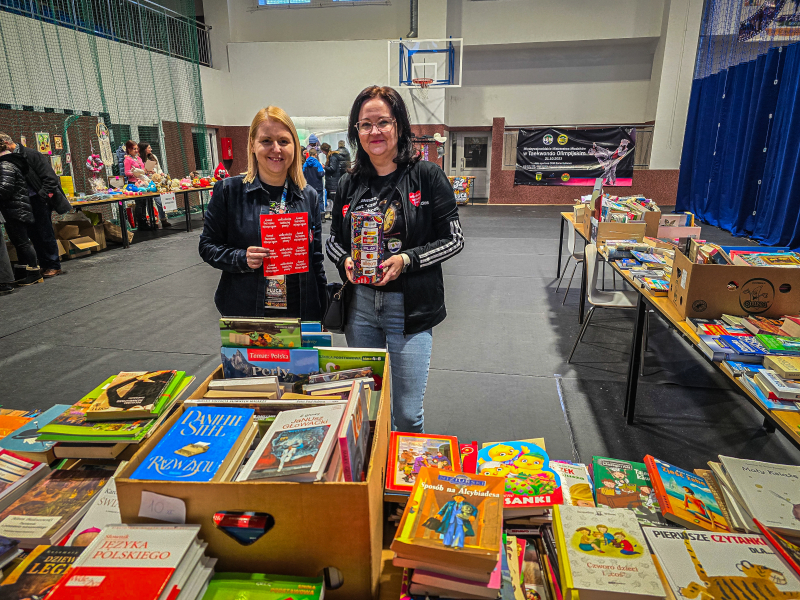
column 274, row 113
column 581, row 492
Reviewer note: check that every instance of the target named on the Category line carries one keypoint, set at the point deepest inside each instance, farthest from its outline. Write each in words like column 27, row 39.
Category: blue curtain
column 741, row 149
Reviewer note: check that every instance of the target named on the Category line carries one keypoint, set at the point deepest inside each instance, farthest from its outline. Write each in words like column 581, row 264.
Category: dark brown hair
column 142, row 147
column 406, row 155
column 130, row 145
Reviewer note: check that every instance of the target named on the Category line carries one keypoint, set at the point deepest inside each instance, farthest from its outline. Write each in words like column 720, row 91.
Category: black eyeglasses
column 383, row 125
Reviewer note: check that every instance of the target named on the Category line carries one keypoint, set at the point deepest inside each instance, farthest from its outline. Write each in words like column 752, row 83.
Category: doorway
column 470, row 155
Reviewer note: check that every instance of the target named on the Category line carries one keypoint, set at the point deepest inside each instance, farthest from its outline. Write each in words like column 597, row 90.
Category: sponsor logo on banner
column 344, row 210
column 272, row 354
column 547, row 139
column 538, row 177
column 562, row 139
column 565, row 177
column 415, row 198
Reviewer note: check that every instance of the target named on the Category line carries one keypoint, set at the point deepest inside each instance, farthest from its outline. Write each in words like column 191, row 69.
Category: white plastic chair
column 598, row 298
column 578, row 256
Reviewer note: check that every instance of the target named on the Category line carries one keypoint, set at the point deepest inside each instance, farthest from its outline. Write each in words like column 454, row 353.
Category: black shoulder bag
column 336, row 316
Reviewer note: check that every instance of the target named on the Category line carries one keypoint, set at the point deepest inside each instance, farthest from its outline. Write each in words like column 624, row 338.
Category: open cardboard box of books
column 709, row 291
column 651, row 219
column 317, row 525
column 609, row 230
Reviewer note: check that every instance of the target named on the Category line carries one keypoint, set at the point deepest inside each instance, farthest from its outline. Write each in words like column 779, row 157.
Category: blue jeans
column 377, row 320
column 42, row 235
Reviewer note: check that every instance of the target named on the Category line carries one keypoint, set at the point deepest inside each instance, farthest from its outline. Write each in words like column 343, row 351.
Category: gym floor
column 498, row 371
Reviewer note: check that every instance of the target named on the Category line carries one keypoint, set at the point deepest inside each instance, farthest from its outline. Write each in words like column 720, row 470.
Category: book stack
column 38, row 572
column 749, row 339
column 123, row 410
column 765, row 259
column 451, row 536
column 161, row 561
column 17, row 475
column 23, row 441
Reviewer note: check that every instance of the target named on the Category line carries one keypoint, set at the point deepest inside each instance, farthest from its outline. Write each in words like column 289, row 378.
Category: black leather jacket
column 433, row 235
column 232, row 224
column 14, row 200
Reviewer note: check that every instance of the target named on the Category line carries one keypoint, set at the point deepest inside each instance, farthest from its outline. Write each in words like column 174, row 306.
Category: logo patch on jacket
column 415, row 197
column 344, row 210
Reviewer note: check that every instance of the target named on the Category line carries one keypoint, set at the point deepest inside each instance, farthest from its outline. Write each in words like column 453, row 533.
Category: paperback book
column 626, row 484
column 756, row 325
column 576, row 486
column 17, row 474
column 103, row 511
column 256, row 586
column 312, row 340
column 787, row 367
column 23, row 442
column 38, row 572
column 410, row 452
column 10, row 423
column 332, row 360
column 260, row 332
column 354, row 432
column 778, row 344
column 290, row 366
column 348, row 374
column 135, row 395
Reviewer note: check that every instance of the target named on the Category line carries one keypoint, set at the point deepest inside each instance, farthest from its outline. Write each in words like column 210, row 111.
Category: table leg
column 186, row 209
column 560, row 245
column 635, row 360
column 123, row 222
column 582, row 300
column 151, row 211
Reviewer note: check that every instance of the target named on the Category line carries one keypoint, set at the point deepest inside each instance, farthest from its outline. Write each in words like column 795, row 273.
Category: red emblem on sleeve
column 344, row 210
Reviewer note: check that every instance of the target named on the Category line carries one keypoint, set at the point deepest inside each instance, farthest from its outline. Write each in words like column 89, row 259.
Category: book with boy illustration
column 603, row 553
column 626, row 484
column 684, row 497
column 410, row 452
column 531, row 484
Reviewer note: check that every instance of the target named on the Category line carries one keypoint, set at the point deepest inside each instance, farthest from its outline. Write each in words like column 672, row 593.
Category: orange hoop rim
column 422, row 82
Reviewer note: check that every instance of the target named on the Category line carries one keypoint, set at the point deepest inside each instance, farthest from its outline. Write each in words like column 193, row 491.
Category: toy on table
column 220, row 172
column 186, row 183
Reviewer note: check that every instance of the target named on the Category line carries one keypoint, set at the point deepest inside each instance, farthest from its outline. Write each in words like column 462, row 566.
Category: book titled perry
column 603, row 553
column 684, row 497
column 289, row 366
column 297, row 445
column 126, row 562
column 286, row 237
column 260, row 332
column 36, row 575
column 409, row 452
column 197, row 446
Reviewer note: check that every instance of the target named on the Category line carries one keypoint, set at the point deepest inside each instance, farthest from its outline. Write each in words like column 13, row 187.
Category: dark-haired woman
column 421, row 230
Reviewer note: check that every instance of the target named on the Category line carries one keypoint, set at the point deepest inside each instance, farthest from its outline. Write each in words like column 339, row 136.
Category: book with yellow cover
column 453, row 519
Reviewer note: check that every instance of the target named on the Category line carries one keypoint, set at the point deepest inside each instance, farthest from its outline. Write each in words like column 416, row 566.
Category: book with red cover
column 409, row 452
column 128, row 562
column 788, row 550
column 38, row 572
column 286, row 238
column 469, row 457
column 791, row 325
column 763, row 325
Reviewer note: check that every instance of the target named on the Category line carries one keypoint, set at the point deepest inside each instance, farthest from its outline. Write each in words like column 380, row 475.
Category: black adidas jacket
column 433, row 234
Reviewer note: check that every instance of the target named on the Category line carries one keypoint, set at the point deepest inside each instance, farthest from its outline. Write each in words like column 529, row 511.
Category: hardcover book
column 24, row 442
column 769, row 492
column 603, row 553
column 531, row 483
column 717, row 350
column 410, row 452
column 297, row 445
column 38, row 573
column 469, row 457
column 626, row 484
column 256, row 586
column 290, row 366
column 684, row 497
column 790, row 325
column 776, row 387
column 751, row 384
column 260, row 332
column 453, row 519
column 332, row 360
column 134, row 395
column 354, row 432
column 790, row 551
column 128, row 561
column 576, row 486
column 47, row 511
column 17, row 474
column 197, row 446
column 703, row 565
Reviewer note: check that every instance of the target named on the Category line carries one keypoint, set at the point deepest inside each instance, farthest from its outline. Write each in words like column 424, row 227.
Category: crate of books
column 279, row 456
column 757, row 283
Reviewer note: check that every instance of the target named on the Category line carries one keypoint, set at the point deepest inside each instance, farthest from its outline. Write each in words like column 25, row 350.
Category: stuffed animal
column 132, row 188
column 196, row 182
column 204, row 182
column 186, row 183
column 220, row 172
column 175, row 185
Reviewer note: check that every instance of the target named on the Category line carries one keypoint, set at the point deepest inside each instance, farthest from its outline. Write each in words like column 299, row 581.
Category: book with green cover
column 341, row 359
column 256, row 586
column 626, row 484
column 260, row 332
column 72, row 425
column 135, row 395
column 778, row 344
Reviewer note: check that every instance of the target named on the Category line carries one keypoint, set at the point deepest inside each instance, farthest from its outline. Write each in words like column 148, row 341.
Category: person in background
column 15, row 206
column 134, row 162
column 152, row 167
column 324, row 149
column 313, row 172
column 231, row 238
column 336, row 166
column 46, row 195
column 313, row 142
column 421, row 230
column 6, row 271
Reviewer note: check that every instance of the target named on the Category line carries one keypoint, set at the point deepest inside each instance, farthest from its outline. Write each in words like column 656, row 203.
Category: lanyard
column 282, row 208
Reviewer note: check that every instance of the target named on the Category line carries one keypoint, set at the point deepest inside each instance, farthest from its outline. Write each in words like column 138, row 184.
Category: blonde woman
column 231, row 238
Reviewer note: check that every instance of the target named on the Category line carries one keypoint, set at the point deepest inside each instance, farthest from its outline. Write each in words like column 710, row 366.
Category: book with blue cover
column 289, row 366
column 23, row 441
column 197, row 446
column 746, row 346
column 317, row 338
column 310, row 327
column 751, row 385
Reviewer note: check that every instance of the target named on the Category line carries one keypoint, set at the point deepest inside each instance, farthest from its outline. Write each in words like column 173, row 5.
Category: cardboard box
column 67, row 230
column 317, row 525
column 113, row 233
column 62, row 248
column 610, row 230
column 651, row 219
column 709, row 291
column 79, row 247
column 95, row 232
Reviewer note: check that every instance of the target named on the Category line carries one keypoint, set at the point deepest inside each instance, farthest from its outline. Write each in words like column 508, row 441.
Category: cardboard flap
column 84, row 243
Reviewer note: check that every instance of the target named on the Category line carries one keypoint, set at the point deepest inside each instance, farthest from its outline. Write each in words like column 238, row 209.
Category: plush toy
column 152, row 187
column 204, row 182
column 196, row 182
column 220, row 172
column 186, row 183
column 175, row 185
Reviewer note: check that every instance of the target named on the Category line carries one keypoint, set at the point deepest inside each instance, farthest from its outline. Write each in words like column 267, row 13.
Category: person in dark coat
column 6, row 270
column 314, row 172
column 337, row 164
column 16, row 208
column 232, row 239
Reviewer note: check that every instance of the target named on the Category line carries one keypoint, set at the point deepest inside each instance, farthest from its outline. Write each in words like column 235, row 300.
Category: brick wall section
column 659, row 185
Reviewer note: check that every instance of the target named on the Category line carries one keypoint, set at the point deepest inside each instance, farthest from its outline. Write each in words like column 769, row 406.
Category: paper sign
column 168, row 201
column 163, row 508
column 286, row 238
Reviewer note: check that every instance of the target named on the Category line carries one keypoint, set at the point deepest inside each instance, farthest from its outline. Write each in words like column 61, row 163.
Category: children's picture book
column 24, row 442
column 453, row 518
column 531, row 483
column 469, row 457
column 198, row 446
column 256, row 586
column 684, row 497
column 715, row 565
column 10, row 423
column 337, row 358
column 790, row 551
column 286, row 237
column 38, row 572
column 132, row 395
column 603, row 553
column 769, row 492
column 290, row 366
column 297, row 445
column 626, row 484
column 354, row 431
column 410, row 452
column 260, row 332
column 576, row 486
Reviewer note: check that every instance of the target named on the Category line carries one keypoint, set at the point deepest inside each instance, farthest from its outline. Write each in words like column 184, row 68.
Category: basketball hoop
column 423, row 84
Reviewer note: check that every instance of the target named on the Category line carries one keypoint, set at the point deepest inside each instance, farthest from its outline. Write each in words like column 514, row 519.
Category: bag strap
column 338, row 295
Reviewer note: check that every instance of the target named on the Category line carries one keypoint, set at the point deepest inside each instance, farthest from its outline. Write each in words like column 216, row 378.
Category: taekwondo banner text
column 575, row 156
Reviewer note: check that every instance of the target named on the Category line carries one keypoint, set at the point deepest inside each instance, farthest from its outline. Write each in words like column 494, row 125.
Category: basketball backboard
column 437, row 60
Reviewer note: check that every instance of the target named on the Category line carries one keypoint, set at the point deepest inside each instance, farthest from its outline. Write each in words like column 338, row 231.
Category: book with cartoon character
column 409, row 452
column 626, row 484
column 453, row 519
column 701, row 564
column 531, row 483
column 603, row 554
